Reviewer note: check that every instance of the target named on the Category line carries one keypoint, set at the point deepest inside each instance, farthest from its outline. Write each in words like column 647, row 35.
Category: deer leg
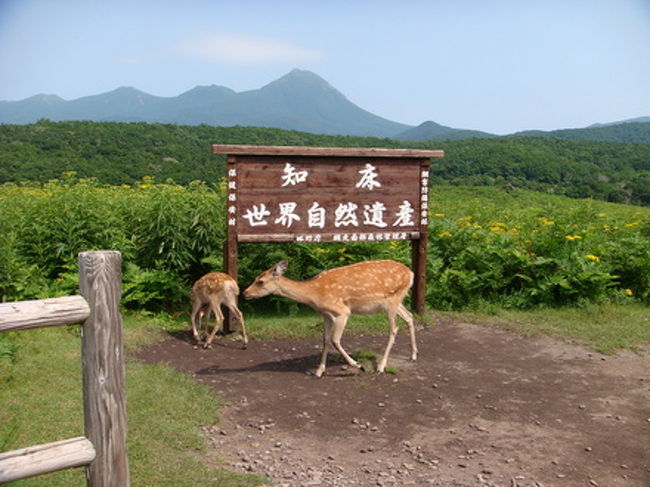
column 391, row 340
column 195, row 319
column 327, row 338
column 231, row 302
column 218, row 321
column 408, row 317
column 232, row 306
column 337, row 333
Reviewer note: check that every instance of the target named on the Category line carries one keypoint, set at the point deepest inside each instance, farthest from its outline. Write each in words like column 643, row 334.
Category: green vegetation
column 519, row 249
column 163, row 231
column 523, row 249
column 124, row 153
column 606, row 328
column 614, row 172
column 630, row 132
column 40, row 401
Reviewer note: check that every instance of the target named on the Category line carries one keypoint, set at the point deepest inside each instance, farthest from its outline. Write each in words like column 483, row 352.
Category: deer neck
column 299, row 291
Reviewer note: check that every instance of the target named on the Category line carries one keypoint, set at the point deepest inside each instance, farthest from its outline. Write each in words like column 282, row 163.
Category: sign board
column 328, row 194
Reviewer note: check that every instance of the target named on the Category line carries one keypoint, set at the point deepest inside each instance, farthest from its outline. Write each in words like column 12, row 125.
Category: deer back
column 364, row 282
column 214, row 284
column 363, row 287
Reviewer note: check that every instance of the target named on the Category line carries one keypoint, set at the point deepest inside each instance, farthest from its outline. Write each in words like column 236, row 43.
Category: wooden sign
column 328, row 194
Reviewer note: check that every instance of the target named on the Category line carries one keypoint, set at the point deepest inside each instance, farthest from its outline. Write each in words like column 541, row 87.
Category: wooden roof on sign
column 275, row 150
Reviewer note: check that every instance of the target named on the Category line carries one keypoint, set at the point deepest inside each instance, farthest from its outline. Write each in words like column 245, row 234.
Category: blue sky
column 494, row 65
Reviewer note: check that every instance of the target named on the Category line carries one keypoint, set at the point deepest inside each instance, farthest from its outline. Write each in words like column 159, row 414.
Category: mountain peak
column 206, row 91
column 126, row 90
column 300, row 77
column 44, row 98
column 430, row 130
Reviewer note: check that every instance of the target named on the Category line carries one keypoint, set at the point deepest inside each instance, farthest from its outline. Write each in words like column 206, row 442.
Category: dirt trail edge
column 481, row 407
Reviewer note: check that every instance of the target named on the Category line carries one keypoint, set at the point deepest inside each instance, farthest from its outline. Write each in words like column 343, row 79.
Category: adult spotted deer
column 363, row 288
column 208, row 294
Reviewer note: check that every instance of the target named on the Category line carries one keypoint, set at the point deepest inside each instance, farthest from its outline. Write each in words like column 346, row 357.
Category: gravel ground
column 481, row 407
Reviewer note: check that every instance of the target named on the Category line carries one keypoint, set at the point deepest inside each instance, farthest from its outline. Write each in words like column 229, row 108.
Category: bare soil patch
column 481, row 407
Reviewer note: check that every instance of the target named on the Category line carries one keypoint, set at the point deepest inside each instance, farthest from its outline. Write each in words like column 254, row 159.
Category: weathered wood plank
column 329, row 237
column 230, row 255
column 272, row 150
column 49, row 457
column 103, row 372
column 23, row 315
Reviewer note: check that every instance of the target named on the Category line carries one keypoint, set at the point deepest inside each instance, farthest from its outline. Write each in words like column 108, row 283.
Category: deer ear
column 280, row 267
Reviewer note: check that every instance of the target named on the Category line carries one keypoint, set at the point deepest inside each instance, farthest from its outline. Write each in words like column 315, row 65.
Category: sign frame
column 265, row 174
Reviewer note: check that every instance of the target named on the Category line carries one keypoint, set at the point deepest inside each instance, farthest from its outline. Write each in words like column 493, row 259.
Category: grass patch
column 605, row 328
column 41, row 401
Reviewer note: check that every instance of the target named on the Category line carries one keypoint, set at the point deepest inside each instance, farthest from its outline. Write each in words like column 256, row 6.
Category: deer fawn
column 362, row 288
column 208, row 294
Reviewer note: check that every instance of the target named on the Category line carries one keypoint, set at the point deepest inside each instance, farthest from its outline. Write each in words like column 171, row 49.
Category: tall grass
column 517, row 248
column 523, row 249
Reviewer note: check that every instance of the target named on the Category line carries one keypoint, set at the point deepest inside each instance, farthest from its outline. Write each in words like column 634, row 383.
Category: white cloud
column 243, row 50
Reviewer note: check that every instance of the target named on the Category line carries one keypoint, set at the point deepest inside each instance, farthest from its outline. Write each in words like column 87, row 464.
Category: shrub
column 519, row 249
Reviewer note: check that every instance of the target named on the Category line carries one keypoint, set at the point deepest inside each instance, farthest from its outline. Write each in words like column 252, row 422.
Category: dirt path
column 481, row 407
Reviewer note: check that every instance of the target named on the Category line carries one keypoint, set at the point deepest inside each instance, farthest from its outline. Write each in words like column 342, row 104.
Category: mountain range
column 300, row 100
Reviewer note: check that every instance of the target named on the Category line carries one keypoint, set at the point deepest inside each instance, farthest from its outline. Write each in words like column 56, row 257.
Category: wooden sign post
column 328, row 194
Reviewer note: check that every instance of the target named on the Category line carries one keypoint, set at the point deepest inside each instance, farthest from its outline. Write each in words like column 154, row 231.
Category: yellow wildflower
column 572, row 237
column 444, row 234
column 601, row 215
column 629, row 292
column 593, row 257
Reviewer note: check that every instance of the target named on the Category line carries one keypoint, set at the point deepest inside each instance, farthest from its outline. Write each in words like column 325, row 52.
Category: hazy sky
column 494, row 65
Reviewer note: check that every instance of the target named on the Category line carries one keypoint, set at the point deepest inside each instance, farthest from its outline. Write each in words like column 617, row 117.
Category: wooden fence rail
column 103, row 449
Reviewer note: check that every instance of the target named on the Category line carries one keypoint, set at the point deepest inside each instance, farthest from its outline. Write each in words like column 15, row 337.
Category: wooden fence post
column 103, row 372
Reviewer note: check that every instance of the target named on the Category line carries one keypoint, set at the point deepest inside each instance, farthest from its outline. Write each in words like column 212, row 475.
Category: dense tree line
column 630, row 132
column 122, row 153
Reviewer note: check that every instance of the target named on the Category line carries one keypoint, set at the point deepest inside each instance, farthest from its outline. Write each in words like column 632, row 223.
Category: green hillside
column 123, row 153
column 429, row 130
column 629, row 132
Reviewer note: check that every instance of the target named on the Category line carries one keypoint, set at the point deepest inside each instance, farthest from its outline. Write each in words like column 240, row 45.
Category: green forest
column 124, row 153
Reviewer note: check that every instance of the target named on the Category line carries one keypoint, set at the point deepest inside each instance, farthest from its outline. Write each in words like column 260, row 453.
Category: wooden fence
column 103, row 448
